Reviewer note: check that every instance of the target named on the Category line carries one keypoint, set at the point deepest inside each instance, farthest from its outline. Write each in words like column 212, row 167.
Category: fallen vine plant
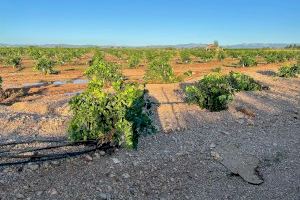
column 215, row 91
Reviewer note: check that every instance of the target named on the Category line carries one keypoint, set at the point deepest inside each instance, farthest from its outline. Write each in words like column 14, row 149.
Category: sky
column 149, row 22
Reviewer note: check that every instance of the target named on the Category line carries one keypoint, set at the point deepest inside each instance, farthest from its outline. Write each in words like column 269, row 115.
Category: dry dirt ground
column 179, row 162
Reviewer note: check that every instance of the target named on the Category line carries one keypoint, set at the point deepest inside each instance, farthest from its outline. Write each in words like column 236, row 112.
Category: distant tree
column 216, row 43
column 292, row 46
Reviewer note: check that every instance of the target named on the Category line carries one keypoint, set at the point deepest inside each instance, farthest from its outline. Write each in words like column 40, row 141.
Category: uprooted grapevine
column 242, row 82
column 118, row 117
column 215, row 90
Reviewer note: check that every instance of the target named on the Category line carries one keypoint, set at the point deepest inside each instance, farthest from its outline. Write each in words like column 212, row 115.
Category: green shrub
column 281, row 57
column 165, row 57
column 289, row 71
column 270, row 58
column 247, row 61
column 101, row 70
column 98, row 56
column 134, row 61
column 151, row 54
column 188, row 73
column 185, row 56
column 242, row 82
column 45, row 65
column 205, row 56
column 221, row 55
column 213, row 92
column 117, row 117
column 160, row 71
column 15, row 61
column 217, row 69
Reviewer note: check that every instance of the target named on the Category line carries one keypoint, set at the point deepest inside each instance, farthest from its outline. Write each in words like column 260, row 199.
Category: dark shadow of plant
column 267, row 72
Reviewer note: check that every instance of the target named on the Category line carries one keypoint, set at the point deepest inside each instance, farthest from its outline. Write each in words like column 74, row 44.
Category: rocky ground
column 195, row 155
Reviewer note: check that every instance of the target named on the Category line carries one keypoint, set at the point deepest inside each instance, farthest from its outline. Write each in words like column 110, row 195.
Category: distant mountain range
column 191, row 45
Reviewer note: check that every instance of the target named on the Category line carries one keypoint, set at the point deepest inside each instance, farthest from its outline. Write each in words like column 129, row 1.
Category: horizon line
column 147, row 45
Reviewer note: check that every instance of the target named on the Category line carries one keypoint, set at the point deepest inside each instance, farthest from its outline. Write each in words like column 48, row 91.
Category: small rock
column 212, row 145
column 126, row 176
column 28, row 154
column 215, row 155
column 52, row 191
column 116, row 161
column 102, row 196
column 135, row 163
column 225, row 132
column 54, row 162
column 250, row 123
column 109, row 188
column 46, row 165
column 181, row 153
column 33, row 167
column 39, row 193
column 6, row 170
column 97, row 155
column 102, row 153
column 240, row 121
column 88, row 158
column 25, row 187
column 245, row 111
column 20, row 196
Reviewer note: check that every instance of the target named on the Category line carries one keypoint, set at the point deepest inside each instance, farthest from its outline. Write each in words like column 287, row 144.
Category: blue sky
column 145, row 22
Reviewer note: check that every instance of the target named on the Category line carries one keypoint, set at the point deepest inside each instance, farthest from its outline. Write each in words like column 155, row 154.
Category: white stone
column 212, row 145
column 20, row 196
column 52, row 191
column 125, row 175
column 116, row 160
column 88, row 158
